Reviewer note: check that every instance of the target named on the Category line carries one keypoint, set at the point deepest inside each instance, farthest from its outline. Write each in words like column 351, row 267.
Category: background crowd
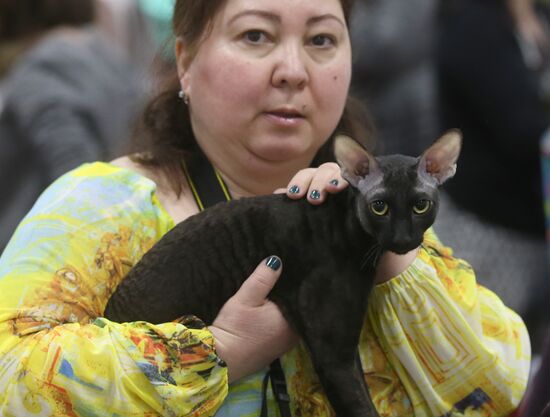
column 73, row 81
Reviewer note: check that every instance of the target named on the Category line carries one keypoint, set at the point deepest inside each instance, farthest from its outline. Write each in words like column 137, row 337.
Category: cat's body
column 329, row 255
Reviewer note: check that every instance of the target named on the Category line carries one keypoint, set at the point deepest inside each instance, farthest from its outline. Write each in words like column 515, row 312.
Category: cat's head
column 397, row 195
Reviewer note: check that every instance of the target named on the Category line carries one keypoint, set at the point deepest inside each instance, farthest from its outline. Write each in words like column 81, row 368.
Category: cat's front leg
column 341, row 376
column 330, row 325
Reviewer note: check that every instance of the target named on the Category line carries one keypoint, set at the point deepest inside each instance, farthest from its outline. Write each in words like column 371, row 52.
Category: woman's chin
column 277, row 150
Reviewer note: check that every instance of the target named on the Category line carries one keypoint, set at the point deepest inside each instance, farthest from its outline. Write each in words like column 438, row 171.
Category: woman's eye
column 255, row 36
column 379, row 207
column 422, row 206
column 322, row 41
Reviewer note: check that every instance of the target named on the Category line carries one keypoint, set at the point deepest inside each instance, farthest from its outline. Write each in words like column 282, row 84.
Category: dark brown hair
column 24, row 18
column 164, row 136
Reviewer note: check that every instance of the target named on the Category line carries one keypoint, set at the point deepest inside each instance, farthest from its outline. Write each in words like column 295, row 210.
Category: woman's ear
column 182, row 61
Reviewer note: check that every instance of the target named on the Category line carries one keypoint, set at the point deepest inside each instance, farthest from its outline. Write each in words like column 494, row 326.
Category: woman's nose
column 291, row 68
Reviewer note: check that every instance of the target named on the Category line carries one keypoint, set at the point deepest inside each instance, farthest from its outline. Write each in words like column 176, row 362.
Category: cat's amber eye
column 422, row 206
column 379, row 207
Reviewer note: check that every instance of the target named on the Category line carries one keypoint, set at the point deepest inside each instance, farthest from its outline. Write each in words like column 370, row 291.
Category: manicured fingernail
column 334, row 182
column 294, row 189
column 315, row 195
column 273, row 262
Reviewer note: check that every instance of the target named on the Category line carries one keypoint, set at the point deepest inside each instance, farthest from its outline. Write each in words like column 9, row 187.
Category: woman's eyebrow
column 260, row 13
column 316, row 19
column 277, row 19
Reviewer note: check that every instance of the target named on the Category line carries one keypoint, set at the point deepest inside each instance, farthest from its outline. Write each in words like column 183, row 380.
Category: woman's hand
column 250, row 331
column 316, row 183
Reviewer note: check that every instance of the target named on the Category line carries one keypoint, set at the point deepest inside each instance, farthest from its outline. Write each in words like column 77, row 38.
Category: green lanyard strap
column 205, row 182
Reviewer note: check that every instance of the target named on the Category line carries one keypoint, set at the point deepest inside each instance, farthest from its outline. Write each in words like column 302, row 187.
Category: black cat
column 329, row 253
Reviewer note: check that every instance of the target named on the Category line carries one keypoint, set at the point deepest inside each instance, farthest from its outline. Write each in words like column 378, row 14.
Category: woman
column 263, row 89
column 490, row 87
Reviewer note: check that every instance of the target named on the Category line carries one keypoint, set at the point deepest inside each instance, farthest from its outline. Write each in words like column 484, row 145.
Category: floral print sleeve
column 58, row 356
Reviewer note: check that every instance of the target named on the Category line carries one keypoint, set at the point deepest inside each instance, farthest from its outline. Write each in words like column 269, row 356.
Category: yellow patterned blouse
column 434, row 342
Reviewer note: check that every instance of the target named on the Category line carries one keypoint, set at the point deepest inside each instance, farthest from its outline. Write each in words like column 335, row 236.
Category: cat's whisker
column 378, row 254
column 373, row 253
column 366, row 256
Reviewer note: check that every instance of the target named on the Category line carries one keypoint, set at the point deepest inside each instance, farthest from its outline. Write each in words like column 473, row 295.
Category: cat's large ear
column 439, row 160
column 355, row 161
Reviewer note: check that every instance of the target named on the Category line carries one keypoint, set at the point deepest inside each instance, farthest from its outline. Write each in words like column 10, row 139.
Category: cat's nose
column 402, row 246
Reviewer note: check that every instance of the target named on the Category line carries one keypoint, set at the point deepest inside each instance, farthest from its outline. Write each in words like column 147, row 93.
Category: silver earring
column 184, row 97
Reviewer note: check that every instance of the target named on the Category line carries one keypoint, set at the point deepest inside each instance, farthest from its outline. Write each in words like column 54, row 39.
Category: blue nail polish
column 315, row 195
column 334, row 182
column 273, row 262
column 294, row 189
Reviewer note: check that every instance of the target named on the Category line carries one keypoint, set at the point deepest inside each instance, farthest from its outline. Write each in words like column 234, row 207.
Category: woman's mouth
column 285, row 117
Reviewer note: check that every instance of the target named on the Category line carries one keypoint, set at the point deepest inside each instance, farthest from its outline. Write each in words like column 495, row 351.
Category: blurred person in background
column 489, row 56
column 395, row 76
column 142, row 32
column 68, row 96
column 393, row 71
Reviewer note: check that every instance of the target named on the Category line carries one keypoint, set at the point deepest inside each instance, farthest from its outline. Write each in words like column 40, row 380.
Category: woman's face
column 269, row 83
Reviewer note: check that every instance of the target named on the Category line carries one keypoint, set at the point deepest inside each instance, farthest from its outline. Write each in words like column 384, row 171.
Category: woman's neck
column 248, row 174
column 256, row 178
column 246, row 185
